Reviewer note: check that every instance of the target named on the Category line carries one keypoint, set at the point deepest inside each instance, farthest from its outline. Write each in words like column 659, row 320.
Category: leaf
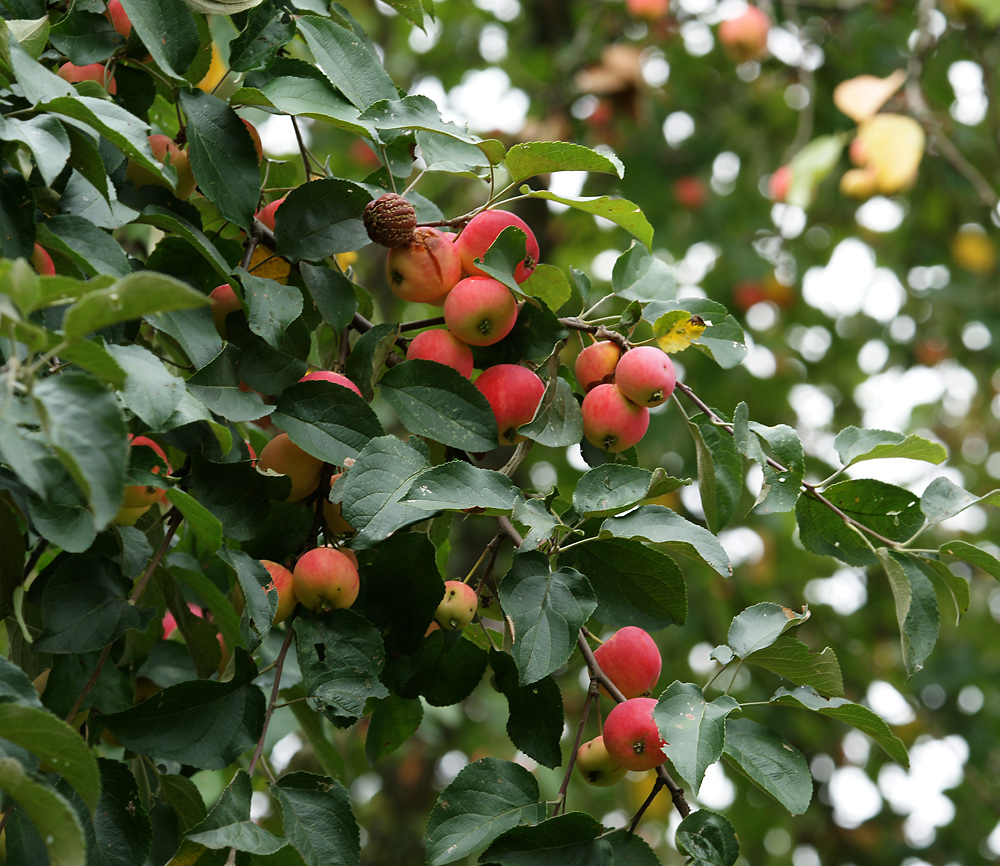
column 678, row 331
column 916, row 607
column 660, row 525
column 708, row 839
column 332, row 293
column 862, row 96
column 394, row 721
column 317, row 819
column 693, row 729
column 174, row 224
column 855, row 444
column 942, row 499
column 558, row 422
column 722, row 340
column 618, row 210
column 540, row 522
column 811, row 166
column 183, row 796
column 504, row 255
column 485, row 800
column 412, row 10
column 266, row 31
column 229, row 815
column 524, row 161
column 447, row 671
column 437, row 401
column 321, row 218
column 151, row 391
column 91, row 249
column 122, row 827
column 793, row 660
column 954, row 586
column 536, row 719
column 45, row 137
column 855, row 715
column 369, row 355
column 720, row 471
column 546, row 610
column 168, row 30
column 549, row 285
column 570, row 839
column 12, row 553
column 974, row 555
column 15, row 685
column 760, row 626
column 630, row 849
column 206, row 526
column 770, row 763
column 639, row 275
column 634, row 584
column 305, row 97
column 613, row 488
column 418, row 113
column 459, row 486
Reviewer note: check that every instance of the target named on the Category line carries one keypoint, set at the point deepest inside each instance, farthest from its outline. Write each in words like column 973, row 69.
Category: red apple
column 631, row 736
column 164, row 150
column 140, row 496
column 169, row 623
column 646, row 376
column 595, row 365
column 325, row 579
column 513, row 393
column 89, row 72
column 480, row 233
column 745, row 36
column 690, row 192
column 330, row 376
column 596, row 766
column 266, row 213
column 631, row 659
column 480, row 311
column 442, row 346
column 224, row 301
column 282, row 581
column 426, row 269
column 458, row 607
column 119, row 19
column 283, row 456
column 780, row 183
column 611, row 421
column 42, row 262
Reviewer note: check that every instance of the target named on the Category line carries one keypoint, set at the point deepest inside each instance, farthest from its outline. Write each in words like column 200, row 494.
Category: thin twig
column 279, row 665
column 591, row 697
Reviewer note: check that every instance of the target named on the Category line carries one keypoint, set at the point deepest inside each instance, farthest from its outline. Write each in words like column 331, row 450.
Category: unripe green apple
column 330, row 376
column 611, row 421
column 282, row 581
column 89, row 72
column 596, row 766
column 129, row 516
column 325, row 579
column 441, row 345
column 513, row 393
column 283, row 456
column 631, row 736
column 480, row 311
column 480, row 233
column 631, row 659
column 745, row 36
column 426, row 269
column 164, row 150
column 646, row 376
column 595, row 365
column 458, row 607
column 140, row 496
column 224, row 301
column 41, row 261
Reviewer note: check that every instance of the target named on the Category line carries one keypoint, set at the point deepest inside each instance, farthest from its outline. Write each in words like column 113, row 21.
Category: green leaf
column 53, row 741
column 437, row 401
column 708, row 839
column 32, row 33
column 369, row 354
column 12, row 552
column 168, row 30
column 317, row 819
column 412, row 10
column 122, row 827
column 394, row 721
column 535, row 333
column 536, row 718
column 630, row 849
column 545, row 610
column 770, row 763
column 639, row 275
column 332, row 293
column 271, row 307
column 151, row 391
column 321, row 218
column 485, row 800
column 549, row 285
column 53, row 817
column 266, row 31
column 341, row 656
column 228, row 814
column 242, row 835
column 504, row 255
column 952, row 585
column 217, row 386
column 660, row 525
column 973, row 555
column 570, row 839
column 855, row 444
column 91, row 249
column 45, row 137
column 693, row 729
column 558, row 422
column 236, row 493
column 720, row 471
column 916, row 607
column 793, row 660
column 942, row 499
column 613, row 488
column 447, row 671
column 38, row 82
column 634, row 584
column 760, row 626
column 260, row 599
column 890, row 511
column 618, row 210
column 723, row 340
column 132, row 297
column 542, row 157
column 170, row 222
column 415, row 112
column 305, row 97
column 539, row 520
column 183, row 796
column 194, row 333
column 849, row 713
column 780, row 490
column 205, row 525
column 459, row 486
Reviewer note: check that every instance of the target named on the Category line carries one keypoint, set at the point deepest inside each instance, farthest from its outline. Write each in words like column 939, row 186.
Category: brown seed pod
column 390, row 220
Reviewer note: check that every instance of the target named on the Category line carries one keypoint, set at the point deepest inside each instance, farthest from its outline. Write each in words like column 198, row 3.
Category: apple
column 596, row 766
column 690, row 192
column 129, row 516
column 164, row 150
column 41, row 261
column 169, row 623
column 282, row 581
column 325, row 578
column 389, row 220
column 745, row 36
column 333, row 514
column 646, row 376
column 89, row 72
column 458, row 607
column 480, row 311
column 119, row 19
column 224, row 301
column 266, row 213
column 513, row 393
column 257, row 144
column 137, row 495
column 330, row 376
column 780, row 183
column 480, row 233
column 596, row 364
column 631, row 659
column 859, row 183
column 441, row 345
column 631, row 736
column 264, row 263
column 426, row 269
column 611, row 421
column 283, row 456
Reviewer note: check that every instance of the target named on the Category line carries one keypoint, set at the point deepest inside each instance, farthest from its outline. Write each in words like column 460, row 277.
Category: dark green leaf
column 974, row 555
column 855, row 444
column 184, row 798
column 151, row 391
column 504, row 255
column 638, row 275
column 317, row 818
column 332, row 293
column 369, row 354
column 708, row 839
column 952, row 585
column 394, row 721
column 720, row 471
column 630, row 849
column 12, row 551
column 170, row 222
column 536, row 718
column 217, row 386
column 321, row 218
column 237, row 494
column 447, row 671
column 916, row 607
column 15, row 684
column 793, row 660
column 230, row 811
column 558, row 422
column 535, row 333
column 91, row 249
column 205, row 525
column 542, row 157
column 168, row 30
column 194, row 332
column 570, row 839
column 459, row 486
column 260, row 599
column 123, row 833
column 760, row 626
column 271, row 306
column 770, row 763
column 612, row 488
column 47, row 139
column 266, row 31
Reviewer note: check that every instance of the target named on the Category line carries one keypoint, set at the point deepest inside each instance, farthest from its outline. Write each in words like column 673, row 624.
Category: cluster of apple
column 323, row 579
column 631, row 740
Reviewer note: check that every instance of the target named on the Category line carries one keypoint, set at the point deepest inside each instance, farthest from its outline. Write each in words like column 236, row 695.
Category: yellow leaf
column 264, row 263
column 216, row 72
column 682, row 334
column 860, row 98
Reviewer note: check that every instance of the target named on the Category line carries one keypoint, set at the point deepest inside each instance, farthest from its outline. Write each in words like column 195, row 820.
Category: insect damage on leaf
column 682, row 333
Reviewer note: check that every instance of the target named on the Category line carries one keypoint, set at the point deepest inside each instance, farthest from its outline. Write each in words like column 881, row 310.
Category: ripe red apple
column 780, row 183
column 285, row 457
column 690, row 192
column 164, row 150
column 631, row 736
column 595, row 365
column 169, row 623
column 257, row 144
column 443, row 346
column 480, row 311
column 480, row 233
column 745, row 36
column 646, row 376
column 330, row 376
column 266, row 213
column 333, row 514
column 282, row 581
column 119, row 19
column 596, row 766
column 89, row 72
column 631, row 659
column 611, row 421
column 41, row 261
column 426, row 269
column 513, row 393
column 325, row 579
column 224, row 301
column 458, row 607
column 140, row 496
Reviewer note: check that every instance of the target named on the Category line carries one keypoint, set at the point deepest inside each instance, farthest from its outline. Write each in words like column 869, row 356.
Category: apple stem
column 561, row 799
column 279, row 665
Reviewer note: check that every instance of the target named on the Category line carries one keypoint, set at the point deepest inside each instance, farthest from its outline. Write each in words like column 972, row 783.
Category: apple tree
column 365, row 469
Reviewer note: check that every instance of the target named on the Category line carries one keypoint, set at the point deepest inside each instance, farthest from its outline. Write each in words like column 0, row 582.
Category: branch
column 278, row 667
